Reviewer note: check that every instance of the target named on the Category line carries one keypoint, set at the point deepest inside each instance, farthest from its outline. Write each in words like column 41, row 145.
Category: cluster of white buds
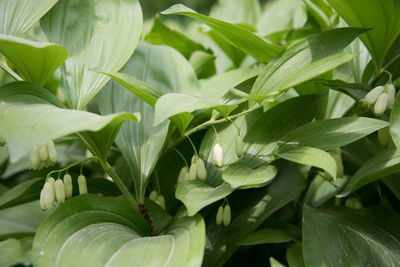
column 239, row 146
column 2, row 141
column 382, row 97
column 196, row 170
column 218, row 155
column 158, row 198
column 223, row 215
column 384, row 138
column 44, row 155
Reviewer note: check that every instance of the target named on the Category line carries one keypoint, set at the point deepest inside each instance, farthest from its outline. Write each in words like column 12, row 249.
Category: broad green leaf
column 333, row 133
column 275, row 263
column 34, row 61
column 379, row 15
column 26, row 121
column 265, row 236
column 17, row 16
column 237, row 11
column 203, row 64
column 392, row 60
column 114, row 234
column 236, row 35
column 382, row 164
column 309, row 156
column 249, row 209
column 294, row 255
column 14, row 251
column 197, row 194
column 21, row 220
column 395, row 122
column 305, row 60
column 322, row 13
column 346, row 237
column 98, row 34
column 21, row 193
column 240, row 175
column 161, row 34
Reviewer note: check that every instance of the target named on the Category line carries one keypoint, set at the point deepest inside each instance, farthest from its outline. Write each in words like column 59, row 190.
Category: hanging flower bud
column 68, row 186
column 239, row 146
column 82, row 184
column 381, row 104
column 161, row 201
column 153, row 195
column 227, row 215
column 218, row 155
column 47, row 195
column 384, row 137
column 373, row 95
column 2, row 141
column 35, row 159
column 60, row 191
column 52, row 182
column 182, row 174
column 220, row 214
column 193, row 171
column 201, row 169
column 51, row 151
column 43, row 155
column 391, row 91
column 43, row 205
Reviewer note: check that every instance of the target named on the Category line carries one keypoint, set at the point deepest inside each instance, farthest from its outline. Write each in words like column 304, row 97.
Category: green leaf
column 21, row 220
column 345, row 237
column 237, row 11
column 94, row 39
column 197, row 194
column 34, row 61
column 395, row 122
column 14, row 251
column 380, row 16
column 333, row 133
column 382, row 164
column 114, row 234
column 240, row 175
column 236, row 35
column 266, row 236
column 26, row 122
column 305, row 60
column 294, row 255
column 161, row 34
column 203, row 64
column 309, row 156
column 17, row 16
column 23, row 192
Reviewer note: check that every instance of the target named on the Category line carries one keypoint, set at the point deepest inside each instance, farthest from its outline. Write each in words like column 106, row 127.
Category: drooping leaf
column 265, row 236
column 346, row 237
column 333, row 133
column 29, row 12
column 27, row 121
column 114, row 234
column 23, row 192
column 294, row 255
column 382, row 164
column 98, row 34
column 395, row 122
column 236, row 35
column 240, row 175
column 309, row 156
column 305, row 60
column 15, row 251
column 380, row 16
column 34, row 61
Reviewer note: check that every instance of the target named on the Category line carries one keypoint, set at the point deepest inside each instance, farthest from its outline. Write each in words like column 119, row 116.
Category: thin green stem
column 182, row 157
column 71, row 165
column 193, row 146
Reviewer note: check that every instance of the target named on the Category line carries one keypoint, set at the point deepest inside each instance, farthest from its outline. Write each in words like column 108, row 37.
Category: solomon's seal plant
column 227, row 133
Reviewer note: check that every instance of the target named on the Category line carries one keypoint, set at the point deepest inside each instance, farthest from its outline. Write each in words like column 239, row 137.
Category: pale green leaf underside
column 29, row 12
column 98, row 34
column 236, row 35
column 34, row 61
column 309, row 156
column 240, row 175
column 95, row 231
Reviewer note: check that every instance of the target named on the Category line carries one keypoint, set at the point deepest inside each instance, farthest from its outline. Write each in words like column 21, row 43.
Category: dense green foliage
column 244, row 133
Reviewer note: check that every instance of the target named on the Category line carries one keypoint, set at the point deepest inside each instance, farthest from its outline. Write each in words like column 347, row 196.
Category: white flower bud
column 218, row 155
column 60, row 191
column 193, row 171
column 153, row 195
column 201, row 169
column 52, row 153
column 227, row 215
column 35, row 159
column 43, row 155
column 161, row 201
column 391, row 91
column 43, row 203
column 68, row 186
column 48, row 194
column 53, row 183
column 239, row 146
column 220, row 214
column 373, row 95
column 82, row 184
column 182, row 174
column 381, row 104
